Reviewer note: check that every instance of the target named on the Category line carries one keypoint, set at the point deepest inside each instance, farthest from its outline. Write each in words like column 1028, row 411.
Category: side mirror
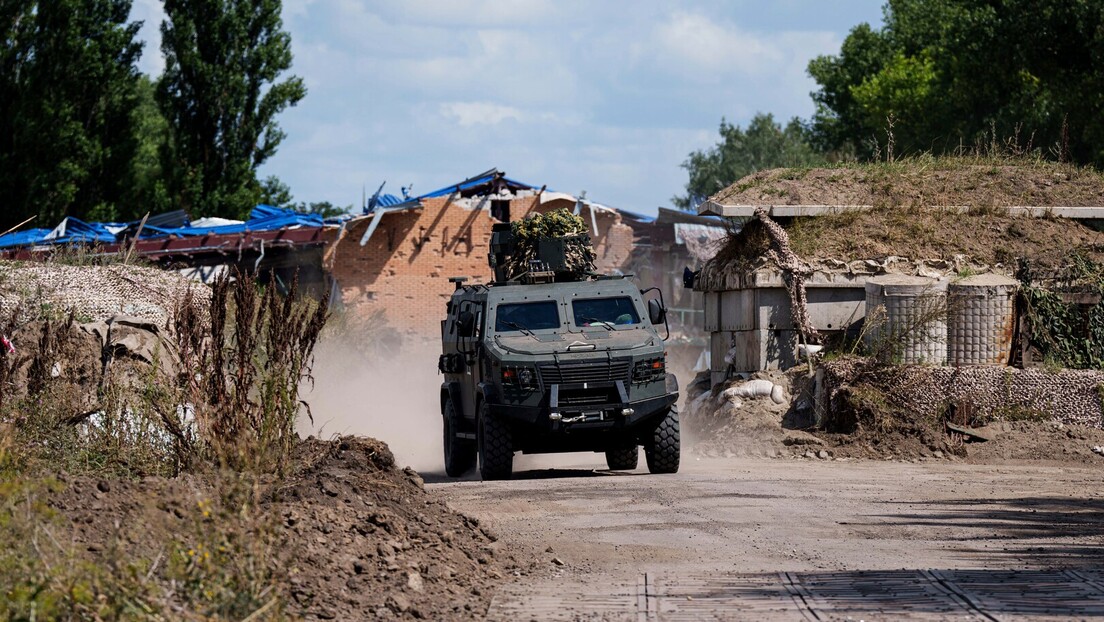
column 656, row 311
column 465, row 324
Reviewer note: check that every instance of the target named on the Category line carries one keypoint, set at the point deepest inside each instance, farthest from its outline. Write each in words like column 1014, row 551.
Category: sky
column 579, row 95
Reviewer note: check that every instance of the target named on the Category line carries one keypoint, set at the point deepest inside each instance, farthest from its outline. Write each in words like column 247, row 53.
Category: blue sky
column 607, row 97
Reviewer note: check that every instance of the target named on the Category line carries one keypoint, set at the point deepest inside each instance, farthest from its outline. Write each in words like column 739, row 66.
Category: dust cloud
column 393, row 397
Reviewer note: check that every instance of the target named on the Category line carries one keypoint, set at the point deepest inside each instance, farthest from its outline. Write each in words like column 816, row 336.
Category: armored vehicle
column 552, row 361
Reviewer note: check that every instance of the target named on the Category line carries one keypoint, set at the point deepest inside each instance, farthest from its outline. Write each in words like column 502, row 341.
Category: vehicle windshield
column 607, row 312
column 526, row 316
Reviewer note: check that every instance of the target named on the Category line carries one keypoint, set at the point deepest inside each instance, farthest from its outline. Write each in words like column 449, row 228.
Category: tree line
column 84, row 133
column 939, row 76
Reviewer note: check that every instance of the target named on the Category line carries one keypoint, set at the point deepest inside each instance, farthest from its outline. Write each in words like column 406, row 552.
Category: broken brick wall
column 403, row 270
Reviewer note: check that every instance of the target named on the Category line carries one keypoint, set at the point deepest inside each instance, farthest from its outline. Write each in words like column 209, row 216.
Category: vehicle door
column 472, row 350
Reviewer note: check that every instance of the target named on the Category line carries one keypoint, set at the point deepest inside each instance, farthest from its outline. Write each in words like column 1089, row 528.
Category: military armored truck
column 552, row 361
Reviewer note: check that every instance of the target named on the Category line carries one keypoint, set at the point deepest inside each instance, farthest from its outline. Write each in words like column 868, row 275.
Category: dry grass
column 924, row 208
column 224, row 412
column 974, row 181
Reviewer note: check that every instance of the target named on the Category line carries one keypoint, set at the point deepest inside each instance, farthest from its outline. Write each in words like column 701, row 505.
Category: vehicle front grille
column 584, row 400
column 570, row 373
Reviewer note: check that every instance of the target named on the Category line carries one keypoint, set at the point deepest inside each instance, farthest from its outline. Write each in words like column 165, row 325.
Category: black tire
column 496, row 446
column 459, row 452
column 624, row 459
column 664, row 448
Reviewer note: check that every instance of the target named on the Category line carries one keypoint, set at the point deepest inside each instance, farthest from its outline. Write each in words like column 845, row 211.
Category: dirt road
column 799, row 539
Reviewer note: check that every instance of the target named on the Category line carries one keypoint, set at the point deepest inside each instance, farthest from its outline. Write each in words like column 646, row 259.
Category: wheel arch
column 487, row 393
column 451, row 390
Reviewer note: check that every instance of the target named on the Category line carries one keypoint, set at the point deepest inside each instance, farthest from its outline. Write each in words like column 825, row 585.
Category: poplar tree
column 221, row 97
column 68, row 81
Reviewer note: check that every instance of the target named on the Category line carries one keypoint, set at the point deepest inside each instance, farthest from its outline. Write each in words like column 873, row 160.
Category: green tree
column 67, row 96
column 275, row 192
column 148, row 190
column 221, row 97
column 764, row 144
column 325, row 209
column 954, row 72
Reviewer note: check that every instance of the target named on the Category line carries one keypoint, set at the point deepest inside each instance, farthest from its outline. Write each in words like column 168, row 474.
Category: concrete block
column 738, row 309
column 836, row 308
column 764, row 349
column 720, row 342
column 711, row 303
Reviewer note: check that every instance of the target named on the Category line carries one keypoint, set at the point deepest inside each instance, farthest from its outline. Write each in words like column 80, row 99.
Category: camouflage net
column 794, row 271
column 52, row 291
column 579, row 254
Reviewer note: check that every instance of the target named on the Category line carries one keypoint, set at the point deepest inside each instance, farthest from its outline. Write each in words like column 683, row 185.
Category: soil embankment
column 348, row 535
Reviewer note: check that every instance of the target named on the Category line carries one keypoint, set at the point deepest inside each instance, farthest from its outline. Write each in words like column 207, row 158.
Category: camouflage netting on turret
column 578, row 260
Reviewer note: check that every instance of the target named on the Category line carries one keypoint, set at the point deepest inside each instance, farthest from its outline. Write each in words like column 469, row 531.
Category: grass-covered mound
column 924, row 208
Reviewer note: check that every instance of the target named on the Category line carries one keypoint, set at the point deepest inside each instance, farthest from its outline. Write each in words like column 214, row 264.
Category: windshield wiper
column 604, row 324
column 524, row 331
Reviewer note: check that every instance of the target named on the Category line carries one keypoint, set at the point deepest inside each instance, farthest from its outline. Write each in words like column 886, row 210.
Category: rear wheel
column 624, row 459
column 663, row 449
column 459, row 452
column 496, row 446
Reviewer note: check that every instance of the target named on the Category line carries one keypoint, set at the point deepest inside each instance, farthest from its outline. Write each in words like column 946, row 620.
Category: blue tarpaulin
column 476, row 181
column 23, row 238
column 261, row 218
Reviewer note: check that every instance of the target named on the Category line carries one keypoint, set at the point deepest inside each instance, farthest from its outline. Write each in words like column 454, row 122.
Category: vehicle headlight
column 649, row 370
column 526, row 377
column 519, row 378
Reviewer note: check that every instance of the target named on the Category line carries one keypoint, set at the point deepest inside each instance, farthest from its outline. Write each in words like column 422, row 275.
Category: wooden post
column 134, row 242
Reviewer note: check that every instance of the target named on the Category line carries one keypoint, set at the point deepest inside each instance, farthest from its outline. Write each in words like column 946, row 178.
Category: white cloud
column 606, row 97
column 703, row 45
column 467, row 114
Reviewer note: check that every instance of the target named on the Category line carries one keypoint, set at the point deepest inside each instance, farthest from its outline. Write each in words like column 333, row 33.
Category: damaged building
column 397, row 258
column 390, row 264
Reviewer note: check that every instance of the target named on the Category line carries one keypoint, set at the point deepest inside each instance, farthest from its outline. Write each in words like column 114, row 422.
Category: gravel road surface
column 734, row 539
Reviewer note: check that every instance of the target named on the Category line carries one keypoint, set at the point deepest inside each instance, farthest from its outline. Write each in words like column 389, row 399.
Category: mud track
column 795, row 539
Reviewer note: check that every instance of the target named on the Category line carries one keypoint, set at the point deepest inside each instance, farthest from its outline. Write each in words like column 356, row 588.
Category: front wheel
column 496, row 446
column 664, row 447
column 459, row 452
column 624, row 459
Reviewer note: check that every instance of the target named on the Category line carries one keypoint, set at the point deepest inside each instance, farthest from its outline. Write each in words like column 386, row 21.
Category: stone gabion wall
column 1068, row 396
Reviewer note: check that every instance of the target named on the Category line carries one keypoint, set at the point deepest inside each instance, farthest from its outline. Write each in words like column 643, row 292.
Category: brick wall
column 403, row 270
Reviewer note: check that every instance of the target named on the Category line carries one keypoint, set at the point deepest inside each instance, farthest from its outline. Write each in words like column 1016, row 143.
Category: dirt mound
column 349, row 535
column 719, row 423
column 937, row 182
column 922, row 212
column 94, row 292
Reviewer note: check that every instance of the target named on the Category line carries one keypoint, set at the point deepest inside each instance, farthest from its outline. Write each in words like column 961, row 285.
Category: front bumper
column 553, row 417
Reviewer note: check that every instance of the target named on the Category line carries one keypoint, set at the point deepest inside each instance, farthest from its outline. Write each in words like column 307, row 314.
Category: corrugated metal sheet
column 261, row 218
